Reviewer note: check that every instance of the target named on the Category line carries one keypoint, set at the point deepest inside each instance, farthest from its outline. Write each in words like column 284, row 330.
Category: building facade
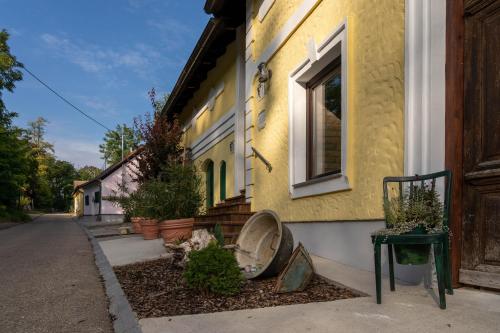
column 305, row 106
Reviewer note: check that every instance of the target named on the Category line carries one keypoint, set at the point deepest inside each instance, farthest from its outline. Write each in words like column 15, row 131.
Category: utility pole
column 123, row 126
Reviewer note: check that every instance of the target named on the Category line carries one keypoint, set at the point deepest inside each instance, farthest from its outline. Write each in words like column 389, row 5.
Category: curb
column 119, row 307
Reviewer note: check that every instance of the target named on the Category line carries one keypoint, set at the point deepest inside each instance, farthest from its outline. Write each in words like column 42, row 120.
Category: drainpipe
column 99, row 217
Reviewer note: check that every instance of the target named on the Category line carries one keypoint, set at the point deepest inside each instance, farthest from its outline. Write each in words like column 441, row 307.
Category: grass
column 7, row 216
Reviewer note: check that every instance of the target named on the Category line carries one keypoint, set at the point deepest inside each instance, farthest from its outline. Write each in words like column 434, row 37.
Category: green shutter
column 210, row 184
column 223, row 181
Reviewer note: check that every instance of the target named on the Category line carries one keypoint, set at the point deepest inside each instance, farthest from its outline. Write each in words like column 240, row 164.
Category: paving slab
column 128, row 250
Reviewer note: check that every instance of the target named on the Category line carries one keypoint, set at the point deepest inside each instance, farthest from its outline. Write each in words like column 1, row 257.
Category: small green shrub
column 215, row 270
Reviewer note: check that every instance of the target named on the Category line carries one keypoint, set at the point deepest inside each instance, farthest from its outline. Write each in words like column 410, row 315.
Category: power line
column 64, row 99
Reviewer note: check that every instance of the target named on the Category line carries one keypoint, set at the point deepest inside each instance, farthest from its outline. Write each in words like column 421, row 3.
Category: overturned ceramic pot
column 136, row 224
column 264, row 245
column 149, row 228
column 176, row 230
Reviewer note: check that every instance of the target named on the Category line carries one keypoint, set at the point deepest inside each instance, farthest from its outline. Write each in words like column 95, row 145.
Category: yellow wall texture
column 78, row 203
column 224, row 71
column 218, row 153
column 375, row 107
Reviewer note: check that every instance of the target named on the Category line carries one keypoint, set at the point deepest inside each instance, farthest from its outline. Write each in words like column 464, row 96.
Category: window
column 222, row 177
column 87, row 200
column 209, row 183
column 318, row 118
column 97, row 196
column 324, row 149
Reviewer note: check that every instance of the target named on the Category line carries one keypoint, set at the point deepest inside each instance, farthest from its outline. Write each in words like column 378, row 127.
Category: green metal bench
column 439, row 241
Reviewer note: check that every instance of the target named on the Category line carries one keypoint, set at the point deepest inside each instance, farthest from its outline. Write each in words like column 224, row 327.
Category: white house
column 107, row 184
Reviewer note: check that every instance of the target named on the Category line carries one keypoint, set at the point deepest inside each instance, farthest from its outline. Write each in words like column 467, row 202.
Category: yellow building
column 305, row 105
column 78, row 198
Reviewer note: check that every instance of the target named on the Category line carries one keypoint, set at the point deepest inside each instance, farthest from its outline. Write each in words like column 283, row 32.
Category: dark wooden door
column 481, row 145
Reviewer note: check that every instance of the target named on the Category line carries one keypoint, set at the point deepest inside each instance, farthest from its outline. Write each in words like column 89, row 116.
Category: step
column 237, row 199
column 233, row 216
column 229, row 208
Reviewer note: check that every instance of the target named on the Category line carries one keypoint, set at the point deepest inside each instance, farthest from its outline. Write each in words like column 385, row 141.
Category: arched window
column 222, row 181
column 210, row 182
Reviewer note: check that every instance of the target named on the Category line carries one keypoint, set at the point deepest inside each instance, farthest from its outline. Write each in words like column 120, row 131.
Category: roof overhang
column 219, row 32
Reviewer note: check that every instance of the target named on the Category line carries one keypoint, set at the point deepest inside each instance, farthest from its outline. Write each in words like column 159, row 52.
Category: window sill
column 317, row 180
column 323, row 185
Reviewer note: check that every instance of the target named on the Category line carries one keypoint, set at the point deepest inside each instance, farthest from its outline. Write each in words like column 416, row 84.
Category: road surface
column 48, row 279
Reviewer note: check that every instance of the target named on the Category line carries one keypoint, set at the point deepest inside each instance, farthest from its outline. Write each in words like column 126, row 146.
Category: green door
column 210, row 184
column 223, row 181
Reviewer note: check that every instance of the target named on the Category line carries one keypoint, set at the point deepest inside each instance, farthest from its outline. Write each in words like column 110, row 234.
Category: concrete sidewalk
column 128, row 250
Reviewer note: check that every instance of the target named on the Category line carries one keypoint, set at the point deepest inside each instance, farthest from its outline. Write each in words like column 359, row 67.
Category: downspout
column 99, row 218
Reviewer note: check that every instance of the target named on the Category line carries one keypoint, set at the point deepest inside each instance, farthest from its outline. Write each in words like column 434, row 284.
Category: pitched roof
column 109, row 170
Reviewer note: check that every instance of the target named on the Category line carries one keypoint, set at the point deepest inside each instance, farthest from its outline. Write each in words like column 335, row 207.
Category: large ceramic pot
column 176, row 230
column 149, row 228
column 413, row 254
column 136, row 224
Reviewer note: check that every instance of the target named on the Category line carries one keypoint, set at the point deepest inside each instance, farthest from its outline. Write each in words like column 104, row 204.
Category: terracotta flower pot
column 136, row 224
column 149, row 229
column 175, row 230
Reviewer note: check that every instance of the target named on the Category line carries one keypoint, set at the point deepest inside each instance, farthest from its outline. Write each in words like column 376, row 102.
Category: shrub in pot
column 127, row 201
column 418, row 210
column 180, row 203
column 213, row 270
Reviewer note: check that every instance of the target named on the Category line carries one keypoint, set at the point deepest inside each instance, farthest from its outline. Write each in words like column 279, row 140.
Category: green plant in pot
column 418, row 210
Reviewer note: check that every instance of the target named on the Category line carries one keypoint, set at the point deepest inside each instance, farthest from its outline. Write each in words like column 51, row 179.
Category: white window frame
column 318, row 58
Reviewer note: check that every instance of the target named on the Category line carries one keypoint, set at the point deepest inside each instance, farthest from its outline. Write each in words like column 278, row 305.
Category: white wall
column 350, row 243
column 110, row 186
column 93, row 207
column 425, row 52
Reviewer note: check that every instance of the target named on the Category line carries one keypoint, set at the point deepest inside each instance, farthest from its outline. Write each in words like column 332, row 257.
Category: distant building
column 88, row 196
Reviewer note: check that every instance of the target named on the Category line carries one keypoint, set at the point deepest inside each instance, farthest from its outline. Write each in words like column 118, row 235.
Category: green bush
column 172, row 195
column 215, row 270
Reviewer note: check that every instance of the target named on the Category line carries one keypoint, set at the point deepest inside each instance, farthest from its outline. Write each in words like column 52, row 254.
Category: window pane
column 326, row 126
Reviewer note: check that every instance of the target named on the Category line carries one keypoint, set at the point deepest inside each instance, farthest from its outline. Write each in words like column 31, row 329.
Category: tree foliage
column 9, row 73
column 162, row 141
column 111, row 148
column 88, row 172
column 16, row 161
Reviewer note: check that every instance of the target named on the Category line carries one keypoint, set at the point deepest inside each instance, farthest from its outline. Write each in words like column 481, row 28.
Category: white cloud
column 141, row 59
column 80, row 153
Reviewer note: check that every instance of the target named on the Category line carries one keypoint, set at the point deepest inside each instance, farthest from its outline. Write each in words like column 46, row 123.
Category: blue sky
column 103, row 55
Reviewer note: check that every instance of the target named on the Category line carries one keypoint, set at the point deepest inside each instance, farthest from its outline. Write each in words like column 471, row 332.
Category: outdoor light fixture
column 264, row 75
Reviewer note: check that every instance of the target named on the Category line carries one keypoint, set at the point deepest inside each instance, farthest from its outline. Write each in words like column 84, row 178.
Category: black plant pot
column 413, row 254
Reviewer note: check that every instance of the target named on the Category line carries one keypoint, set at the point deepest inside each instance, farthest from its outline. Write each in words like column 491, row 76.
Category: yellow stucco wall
column 78, row 203
column 218, row 153
column 224, row 71
column 375, row 106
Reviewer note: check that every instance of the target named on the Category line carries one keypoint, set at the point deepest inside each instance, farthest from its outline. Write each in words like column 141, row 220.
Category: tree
column 111, row 149
column 88, row 172
column 15, row 158
column 162, row 142
column 39, row 190
column 9, row 74
column 60, row 176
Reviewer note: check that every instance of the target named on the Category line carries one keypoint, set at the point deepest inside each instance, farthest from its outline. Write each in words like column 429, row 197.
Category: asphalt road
column 48, row 279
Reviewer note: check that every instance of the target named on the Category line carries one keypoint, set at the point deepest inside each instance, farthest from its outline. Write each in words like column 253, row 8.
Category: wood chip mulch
column 157, row 289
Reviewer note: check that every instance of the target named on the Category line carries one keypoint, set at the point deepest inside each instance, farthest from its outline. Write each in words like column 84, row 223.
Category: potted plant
column 127, row 201
column 418, row 210
column 181, row 202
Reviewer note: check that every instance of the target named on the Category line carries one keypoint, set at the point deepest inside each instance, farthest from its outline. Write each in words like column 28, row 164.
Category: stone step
column 229, row 208
column 226, row 216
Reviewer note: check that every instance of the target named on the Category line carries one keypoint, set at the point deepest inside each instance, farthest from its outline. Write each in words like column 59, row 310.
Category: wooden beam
column 454, row 102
